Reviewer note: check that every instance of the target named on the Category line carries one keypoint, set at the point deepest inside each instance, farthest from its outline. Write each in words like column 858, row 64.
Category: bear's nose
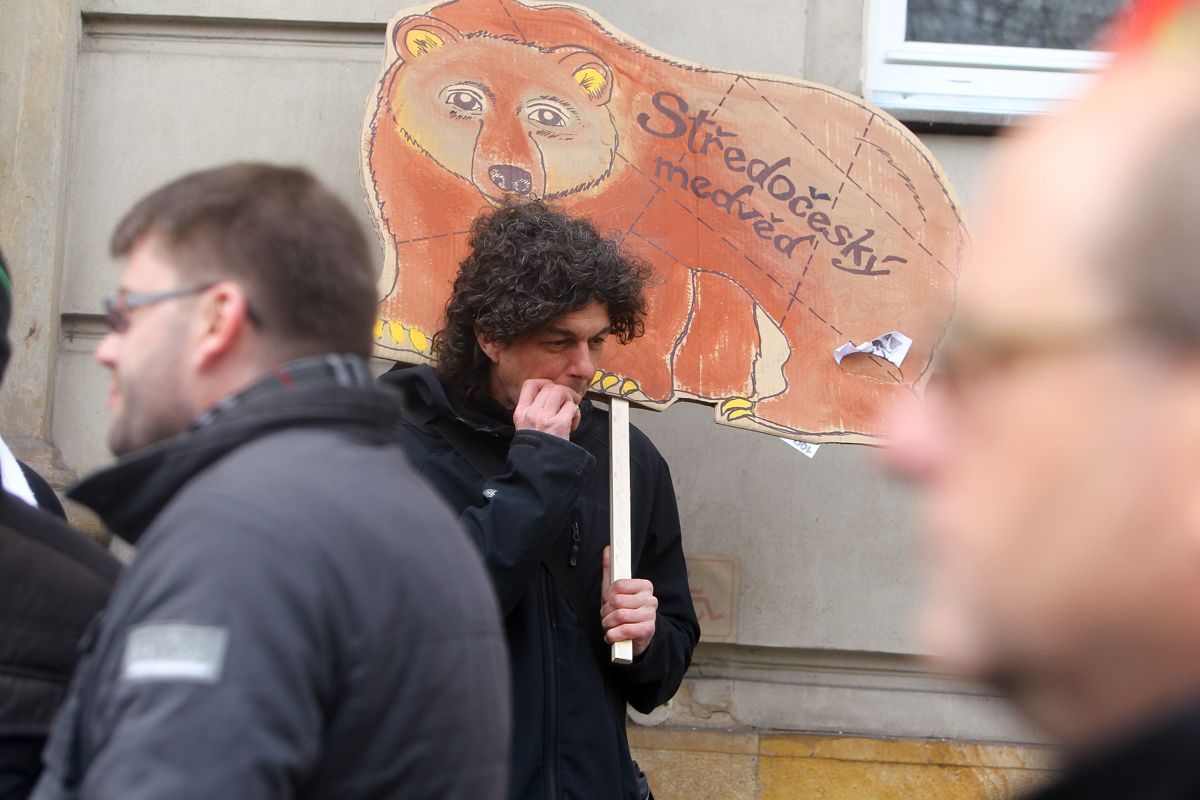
column 511, row 179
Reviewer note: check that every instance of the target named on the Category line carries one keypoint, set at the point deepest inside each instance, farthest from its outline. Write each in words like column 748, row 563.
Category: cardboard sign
column 783, row 218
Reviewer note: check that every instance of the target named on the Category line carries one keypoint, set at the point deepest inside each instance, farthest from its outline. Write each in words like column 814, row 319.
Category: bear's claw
column 396, row 332
column 737, row 408
column 419, row 339
column 613, row 384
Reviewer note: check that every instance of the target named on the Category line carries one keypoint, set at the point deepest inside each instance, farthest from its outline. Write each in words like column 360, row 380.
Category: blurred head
column 540, row 296
column 228, row 272
column 1058, row 456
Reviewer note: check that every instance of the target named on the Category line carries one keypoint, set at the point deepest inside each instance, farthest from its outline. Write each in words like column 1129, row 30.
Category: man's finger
column 627, row 616
column 605, row 580
column 529, row 390
column 558, row 396
column 615, row 601
column 566, row 414
column 633, row 586
column 566, row 392
column 540, row 404
column 635, row 631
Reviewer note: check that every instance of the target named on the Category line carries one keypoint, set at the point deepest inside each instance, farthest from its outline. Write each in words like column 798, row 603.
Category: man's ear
column 221, row 322
column 589, row 72
column 413, row 37
column 490, row 348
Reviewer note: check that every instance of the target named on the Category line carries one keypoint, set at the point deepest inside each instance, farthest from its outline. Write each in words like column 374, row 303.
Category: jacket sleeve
column 654, row 676
column 523, row 507
column 215, row 683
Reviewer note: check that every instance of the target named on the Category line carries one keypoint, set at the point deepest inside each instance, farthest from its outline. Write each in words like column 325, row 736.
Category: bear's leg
column 646, row 361
column 721, row 354
column 411, row 310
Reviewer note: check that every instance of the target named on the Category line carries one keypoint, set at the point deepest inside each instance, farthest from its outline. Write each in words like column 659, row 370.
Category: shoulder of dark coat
column 47, row 500
column 306, row 476
column 59, row 543
column 358, row 509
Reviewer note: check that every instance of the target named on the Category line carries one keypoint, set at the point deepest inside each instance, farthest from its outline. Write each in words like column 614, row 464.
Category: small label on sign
column 807, row 448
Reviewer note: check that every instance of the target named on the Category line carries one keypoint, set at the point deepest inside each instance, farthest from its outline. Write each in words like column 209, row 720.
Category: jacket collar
column 312, row 393
column 427, row 399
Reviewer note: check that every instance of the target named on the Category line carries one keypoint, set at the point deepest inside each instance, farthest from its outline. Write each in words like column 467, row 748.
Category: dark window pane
column 1060, row 24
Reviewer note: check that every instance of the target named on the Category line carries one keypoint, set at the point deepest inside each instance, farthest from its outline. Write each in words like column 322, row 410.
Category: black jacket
column 1159, row 762
column 551, row 501
column 53, row 581
column 46, row 499
column 304, row 619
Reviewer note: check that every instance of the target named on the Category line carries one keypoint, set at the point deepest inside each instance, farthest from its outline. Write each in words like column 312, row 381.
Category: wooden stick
column 620, row 508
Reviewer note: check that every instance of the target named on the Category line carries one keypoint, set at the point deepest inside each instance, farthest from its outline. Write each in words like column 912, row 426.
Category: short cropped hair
column 529, row 265
column 293, row 246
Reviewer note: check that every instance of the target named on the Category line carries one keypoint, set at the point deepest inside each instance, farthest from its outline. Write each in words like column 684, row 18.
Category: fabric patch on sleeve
column 175, row 651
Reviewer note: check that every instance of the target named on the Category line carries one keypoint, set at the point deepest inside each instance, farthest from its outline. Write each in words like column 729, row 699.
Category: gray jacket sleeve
column 215, row 683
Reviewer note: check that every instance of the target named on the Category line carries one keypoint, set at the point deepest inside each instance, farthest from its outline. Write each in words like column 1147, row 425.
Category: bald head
column 1073, row 191
column 1154, row 257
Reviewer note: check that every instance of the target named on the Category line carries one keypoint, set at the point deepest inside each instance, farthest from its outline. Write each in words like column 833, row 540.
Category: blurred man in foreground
column 1059, row 456
column 304, row 618
column 53, row 581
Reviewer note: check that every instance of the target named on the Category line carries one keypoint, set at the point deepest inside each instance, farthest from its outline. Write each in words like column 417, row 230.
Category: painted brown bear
column 783, row 218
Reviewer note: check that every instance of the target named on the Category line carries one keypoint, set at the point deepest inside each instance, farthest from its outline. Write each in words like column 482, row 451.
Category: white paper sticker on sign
column 807, row 448
column 175, row 651
column 892, row 346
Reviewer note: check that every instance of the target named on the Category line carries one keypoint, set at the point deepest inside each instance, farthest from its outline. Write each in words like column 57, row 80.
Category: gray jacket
column 304, row 618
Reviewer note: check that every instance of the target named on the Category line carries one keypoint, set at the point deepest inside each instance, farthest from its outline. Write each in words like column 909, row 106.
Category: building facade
column 806, row 571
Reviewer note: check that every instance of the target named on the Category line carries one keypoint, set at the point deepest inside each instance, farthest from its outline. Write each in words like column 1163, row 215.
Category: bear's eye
column 548, row 116
column 465, row 100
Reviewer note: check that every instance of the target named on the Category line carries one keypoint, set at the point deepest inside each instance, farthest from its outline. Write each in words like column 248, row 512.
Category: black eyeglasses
column 117, row 307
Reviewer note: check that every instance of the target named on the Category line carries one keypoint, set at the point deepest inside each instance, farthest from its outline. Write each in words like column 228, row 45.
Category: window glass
column 1056, row 24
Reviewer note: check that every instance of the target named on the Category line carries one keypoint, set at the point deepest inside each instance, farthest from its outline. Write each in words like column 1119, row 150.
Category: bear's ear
column 415, row 36
column 588, row 70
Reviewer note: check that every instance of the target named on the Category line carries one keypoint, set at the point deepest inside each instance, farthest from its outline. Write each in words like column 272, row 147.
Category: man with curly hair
column 501, row 428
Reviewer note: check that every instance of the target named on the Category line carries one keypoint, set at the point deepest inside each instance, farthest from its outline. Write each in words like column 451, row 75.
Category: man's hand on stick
column 628, row 610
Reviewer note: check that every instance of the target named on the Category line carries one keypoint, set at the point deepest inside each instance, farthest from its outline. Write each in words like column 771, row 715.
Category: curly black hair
column 529, row 264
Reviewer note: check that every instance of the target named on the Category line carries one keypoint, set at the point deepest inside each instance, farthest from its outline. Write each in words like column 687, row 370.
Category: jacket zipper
column 551, row 666
column 575, row 540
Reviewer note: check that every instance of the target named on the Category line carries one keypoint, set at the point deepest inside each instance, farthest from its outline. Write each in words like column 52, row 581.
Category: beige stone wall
column 686, row 764
column 39, row 43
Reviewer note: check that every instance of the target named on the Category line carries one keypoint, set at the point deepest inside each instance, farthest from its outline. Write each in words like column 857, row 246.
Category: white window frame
column 923, row 78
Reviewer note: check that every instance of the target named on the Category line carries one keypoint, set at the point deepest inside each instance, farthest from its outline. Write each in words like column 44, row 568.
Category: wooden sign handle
column 620, row 559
